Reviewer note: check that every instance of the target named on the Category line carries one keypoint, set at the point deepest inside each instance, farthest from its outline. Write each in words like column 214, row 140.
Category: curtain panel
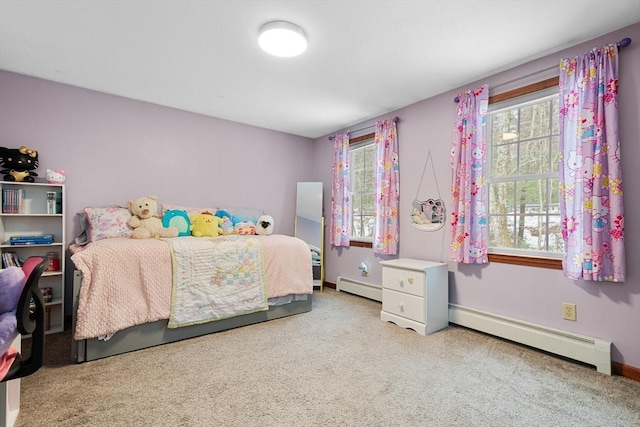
column 386, row 233
column 591, row 202
column 340, row 229
column 469, row 233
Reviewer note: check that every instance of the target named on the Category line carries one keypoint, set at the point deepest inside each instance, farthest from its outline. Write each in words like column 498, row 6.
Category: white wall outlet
column 568, row 311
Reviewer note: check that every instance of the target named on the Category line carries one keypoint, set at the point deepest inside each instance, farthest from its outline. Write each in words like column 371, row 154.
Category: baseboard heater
column 357, row 287
column 592, row 351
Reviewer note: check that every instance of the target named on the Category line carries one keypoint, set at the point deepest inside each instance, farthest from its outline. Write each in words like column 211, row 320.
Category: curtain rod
column 622, row 43
column 396, row 119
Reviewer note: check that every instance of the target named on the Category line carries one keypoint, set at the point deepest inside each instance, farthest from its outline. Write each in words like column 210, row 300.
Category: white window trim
column 359, row 144
column 533, row 97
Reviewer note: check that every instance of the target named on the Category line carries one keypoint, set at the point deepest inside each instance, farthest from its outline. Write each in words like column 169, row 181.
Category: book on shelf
column 10, row 259
column 12, row 200
column 45, row 239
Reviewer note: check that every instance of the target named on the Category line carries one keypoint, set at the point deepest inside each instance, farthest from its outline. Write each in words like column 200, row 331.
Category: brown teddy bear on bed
column 144, row 222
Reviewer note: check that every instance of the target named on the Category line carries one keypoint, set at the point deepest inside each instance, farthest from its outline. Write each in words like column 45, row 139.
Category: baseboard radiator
column 357, row 287
column 592, row 351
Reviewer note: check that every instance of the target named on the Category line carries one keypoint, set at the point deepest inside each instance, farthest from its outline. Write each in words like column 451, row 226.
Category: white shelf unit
column 34, row 220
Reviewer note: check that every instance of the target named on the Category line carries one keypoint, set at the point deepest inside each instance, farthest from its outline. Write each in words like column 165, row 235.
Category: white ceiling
column 365, row 58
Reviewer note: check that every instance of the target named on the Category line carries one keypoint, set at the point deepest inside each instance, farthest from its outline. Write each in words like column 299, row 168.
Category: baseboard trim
column 590, row 350
column 626, row 371
column 357, row 287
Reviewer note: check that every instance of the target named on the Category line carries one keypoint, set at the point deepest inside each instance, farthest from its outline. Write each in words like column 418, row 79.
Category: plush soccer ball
column 264, row 226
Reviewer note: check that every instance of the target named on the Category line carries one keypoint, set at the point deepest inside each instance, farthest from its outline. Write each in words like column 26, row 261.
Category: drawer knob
column 410, row 280
column 401, row 307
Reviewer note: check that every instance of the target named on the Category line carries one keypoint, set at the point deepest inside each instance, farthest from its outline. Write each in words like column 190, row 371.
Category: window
column 523, row 155
column 362, row 156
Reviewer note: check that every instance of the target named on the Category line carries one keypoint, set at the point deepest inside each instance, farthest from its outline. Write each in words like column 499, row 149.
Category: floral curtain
column 340, row 231
column 386, row 232
column 590, row 172
column 469, row 232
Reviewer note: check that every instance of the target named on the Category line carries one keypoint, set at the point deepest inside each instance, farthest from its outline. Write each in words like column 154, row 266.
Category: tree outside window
column 362, row 167
column 524, row 210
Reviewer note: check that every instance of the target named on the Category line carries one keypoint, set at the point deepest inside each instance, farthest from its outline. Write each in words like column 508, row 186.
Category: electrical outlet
column 568, row 311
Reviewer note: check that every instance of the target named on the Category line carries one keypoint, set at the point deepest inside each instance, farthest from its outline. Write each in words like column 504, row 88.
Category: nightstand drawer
column 402, row 304
column 411, row 282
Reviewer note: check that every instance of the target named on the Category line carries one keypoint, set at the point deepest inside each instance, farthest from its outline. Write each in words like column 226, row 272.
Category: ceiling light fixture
column 281, row 38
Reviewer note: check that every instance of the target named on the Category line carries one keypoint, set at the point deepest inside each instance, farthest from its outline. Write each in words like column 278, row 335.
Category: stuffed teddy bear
column 264, row 227
column 205, row 224
column 144, row 222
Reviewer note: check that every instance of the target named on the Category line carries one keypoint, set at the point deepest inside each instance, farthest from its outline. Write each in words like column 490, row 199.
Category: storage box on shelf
column 33, row 215
column 415, row 294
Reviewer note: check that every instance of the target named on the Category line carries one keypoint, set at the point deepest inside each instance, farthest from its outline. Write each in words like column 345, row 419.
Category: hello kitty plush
column 55, row 176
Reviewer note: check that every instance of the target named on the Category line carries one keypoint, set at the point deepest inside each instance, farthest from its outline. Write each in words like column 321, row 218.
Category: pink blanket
column 127, row 282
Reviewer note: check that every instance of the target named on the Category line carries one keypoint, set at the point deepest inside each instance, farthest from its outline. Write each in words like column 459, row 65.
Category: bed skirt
column 157, row 333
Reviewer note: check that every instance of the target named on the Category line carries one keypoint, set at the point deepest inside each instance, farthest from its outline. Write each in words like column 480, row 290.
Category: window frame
column 362, row 242
column 554, row 263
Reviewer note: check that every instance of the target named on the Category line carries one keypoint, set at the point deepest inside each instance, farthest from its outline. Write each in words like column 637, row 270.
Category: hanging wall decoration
column 429, row 214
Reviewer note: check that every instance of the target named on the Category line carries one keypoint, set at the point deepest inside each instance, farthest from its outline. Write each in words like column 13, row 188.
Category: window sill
column 360, row 244
column 551, row 263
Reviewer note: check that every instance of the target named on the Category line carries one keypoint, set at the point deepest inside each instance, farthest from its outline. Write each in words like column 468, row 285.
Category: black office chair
column 30, row 316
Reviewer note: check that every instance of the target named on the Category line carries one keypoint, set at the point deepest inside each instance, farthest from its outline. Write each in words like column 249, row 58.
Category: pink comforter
column 127, row 282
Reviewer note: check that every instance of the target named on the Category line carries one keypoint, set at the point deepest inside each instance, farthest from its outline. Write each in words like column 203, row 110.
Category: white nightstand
column 415, row 294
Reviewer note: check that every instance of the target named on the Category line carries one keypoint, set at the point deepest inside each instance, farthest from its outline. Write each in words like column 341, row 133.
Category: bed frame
column 157, row 333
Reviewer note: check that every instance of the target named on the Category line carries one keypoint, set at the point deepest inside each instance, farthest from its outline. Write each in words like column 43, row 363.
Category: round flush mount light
column 281, row 38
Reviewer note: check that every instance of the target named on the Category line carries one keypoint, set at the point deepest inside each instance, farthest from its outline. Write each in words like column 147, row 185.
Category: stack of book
column 12, row 200
column 45, row 239
column 10, row 259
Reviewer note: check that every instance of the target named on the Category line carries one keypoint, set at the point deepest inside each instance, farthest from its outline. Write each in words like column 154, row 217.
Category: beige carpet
column 338, row 365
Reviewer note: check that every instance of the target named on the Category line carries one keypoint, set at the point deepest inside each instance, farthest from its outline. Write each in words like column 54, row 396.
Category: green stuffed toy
column 179, row 219
column 205, row 224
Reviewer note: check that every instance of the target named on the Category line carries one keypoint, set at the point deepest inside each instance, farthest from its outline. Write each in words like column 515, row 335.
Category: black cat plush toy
column 18, row 164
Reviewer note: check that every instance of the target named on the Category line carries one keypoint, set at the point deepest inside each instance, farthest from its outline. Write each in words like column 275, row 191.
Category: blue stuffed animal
column 227, row 224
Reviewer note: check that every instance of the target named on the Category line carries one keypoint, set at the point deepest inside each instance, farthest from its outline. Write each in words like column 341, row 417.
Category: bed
column 130, row 294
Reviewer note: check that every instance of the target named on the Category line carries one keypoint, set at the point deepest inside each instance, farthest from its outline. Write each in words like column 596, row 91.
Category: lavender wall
column 115, row 149
column 607, row 311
